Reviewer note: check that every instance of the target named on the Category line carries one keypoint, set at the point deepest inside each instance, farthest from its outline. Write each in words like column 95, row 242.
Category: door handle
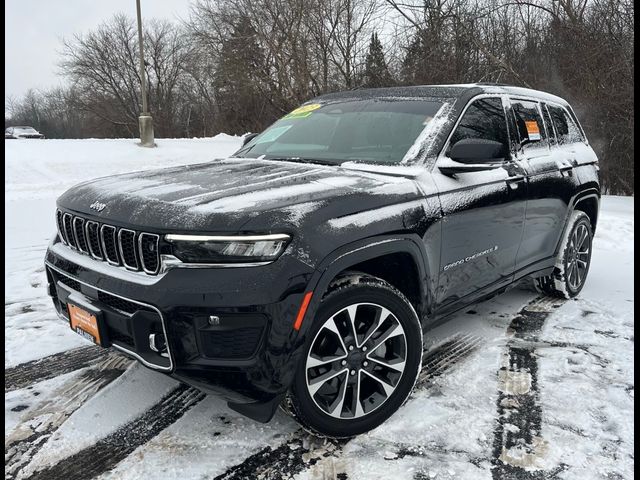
column 566, row 170
column 513, row 182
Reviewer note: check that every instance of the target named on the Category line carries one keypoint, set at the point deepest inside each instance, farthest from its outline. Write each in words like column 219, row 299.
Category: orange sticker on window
column 533, row 131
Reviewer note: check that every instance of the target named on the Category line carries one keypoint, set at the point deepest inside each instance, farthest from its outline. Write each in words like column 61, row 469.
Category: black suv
column 311, row 262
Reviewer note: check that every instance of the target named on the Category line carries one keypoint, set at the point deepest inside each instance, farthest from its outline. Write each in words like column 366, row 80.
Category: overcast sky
column 34, row 30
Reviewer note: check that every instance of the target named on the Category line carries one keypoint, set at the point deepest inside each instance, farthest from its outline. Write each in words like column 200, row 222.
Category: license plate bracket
column 87, row 322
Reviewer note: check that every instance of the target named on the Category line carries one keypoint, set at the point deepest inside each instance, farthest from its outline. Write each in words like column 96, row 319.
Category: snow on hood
column 226, row 194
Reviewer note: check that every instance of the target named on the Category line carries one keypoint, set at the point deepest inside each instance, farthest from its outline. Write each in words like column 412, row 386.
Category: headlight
column 227, row 249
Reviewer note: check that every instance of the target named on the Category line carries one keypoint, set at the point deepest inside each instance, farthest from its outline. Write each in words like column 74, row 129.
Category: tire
column 328, row 406
column 572, row 266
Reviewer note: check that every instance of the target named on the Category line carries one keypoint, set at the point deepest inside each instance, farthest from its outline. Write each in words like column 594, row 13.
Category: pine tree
column 376, row 72
column 237, row 79
column 414, row 69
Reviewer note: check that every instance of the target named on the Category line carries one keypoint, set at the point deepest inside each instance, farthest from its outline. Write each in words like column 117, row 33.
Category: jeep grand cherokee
column 310, row 263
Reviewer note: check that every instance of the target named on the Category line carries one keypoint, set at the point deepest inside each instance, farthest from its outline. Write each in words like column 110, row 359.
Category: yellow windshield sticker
column 303, row 111
column 533, row 131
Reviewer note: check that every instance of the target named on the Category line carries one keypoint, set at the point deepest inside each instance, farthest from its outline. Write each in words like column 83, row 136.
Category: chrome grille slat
column 127, row 248
column 93, row 239
column 123, row 247
column 148, row 246
column 60, row 225
column 109, row 244
column 78, row 233
column 68, row 230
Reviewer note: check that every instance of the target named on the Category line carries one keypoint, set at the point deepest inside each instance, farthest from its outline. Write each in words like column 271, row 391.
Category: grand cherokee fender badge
column 98, row 206
column 470, row 257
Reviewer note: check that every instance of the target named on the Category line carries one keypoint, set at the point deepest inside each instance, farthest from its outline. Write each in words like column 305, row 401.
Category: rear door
column 551, row 183
column 483, row 212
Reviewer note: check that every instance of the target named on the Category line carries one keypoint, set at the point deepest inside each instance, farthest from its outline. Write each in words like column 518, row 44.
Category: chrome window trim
column 130, row 352
column 135, row 250
column 104, row 248
column 227, row 238
column 91, row 252
column 75, row 233
column 144, row 268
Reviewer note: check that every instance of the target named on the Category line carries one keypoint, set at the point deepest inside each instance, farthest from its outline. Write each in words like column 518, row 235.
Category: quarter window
column 483, row 119
column 529, row 124
column 566, row 128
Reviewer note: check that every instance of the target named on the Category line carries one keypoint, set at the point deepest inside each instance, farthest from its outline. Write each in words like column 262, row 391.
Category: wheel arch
column 371, row 256
column 588, row 201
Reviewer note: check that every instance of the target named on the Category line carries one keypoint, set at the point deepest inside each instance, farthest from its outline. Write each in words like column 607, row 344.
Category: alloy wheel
column 356, row 360
column 578, row 257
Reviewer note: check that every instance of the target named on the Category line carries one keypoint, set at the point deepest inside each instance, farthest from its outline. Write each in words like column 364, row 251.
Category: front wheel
column 574, row 259
column 361, row 360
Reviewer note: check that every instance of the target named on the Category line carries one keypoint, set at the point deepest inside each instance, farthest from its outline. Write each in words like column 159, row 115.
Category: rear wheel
column 361, row 360
column 574, row 259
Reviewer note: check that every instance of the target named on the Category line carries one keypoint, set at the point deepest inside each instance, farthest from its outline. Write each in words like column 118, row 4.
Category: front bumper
column 246, row 356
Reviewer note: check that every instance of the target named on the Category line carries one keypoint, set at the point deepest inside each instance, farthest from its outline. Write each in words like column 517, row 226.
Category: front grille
column 69, row 282
column 119, row 303
column 138, row 251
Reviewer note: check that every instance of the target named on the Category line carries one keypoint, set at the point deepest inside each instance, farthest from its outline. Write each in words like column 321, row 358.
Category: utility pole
column 145, row 121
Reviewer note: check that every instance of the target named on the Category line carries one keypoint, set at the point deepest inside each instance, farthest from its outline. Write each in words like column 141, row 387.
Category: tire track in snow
column 305, row 450
column 41, row 423
column 446, row 355
column 45, row 368
column 106, row 453
column 300, row 452
column 518, row 444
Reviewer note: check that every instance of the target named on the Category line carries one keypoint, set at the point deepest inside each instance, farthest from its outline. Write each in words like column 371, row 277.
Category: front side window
column 484, row 119
column 372, row 131
column 529, row 124
column 566, row 129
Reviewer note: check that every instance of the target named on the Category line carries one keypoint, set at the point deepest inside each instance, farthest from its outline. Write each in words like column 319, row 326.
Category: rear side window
column 529, row 124
column 566, row 128
column 483, row 119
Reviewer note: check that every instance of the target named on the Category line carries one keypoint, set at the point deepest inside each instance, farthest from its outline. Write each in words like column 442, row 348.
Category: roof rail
column 495, row 84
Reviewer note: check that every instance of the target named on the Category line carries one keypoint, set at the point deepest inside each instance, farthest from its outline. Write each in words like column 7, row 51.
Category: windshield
column 372, row 131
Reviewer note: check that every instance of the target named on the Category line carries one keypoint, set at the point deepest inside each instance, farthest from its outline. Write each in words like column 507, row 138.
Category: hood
column 236, row 194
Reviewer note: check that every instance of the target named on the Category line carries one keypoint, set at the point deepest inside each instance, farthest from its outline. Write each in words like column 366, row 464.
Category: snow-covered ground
column 499, row 397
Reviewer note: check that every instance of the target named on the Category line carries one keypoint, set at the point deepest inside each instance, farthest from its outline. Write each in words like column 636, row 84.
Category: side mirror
column 247, row 138
column 473, row 155
column 477, row 150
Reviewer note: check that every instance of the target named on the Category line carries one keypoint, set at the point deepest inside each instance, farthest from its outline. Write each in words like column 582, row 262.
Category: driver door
column 483, row 211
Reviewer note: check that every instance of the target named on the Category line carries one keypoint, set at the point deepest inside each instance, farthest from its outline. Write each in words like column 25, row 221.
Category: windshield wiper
column 320, row 161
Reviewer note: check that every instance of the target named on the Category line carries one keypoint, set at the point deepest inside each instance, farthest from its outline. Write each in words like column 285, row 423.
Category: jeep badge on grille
column 98, row 206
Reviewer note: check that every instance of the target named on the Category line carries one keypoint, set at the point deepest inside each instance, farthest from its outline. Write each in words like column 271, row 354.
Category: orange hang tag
column 533, row 131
